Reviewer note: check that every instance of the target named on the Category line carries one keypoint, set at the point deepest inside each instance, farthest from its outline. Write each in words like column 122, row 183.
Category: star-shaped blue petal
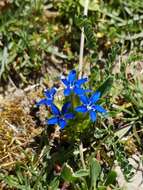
column 74, row 85
column 88, row 105
column 60, row 117
column 49, row 97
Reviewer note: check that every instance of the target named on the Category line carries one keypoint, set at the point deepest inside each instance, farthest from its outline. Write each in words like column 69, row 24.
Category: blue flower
column 73, row 85
column 60, row 117
column 90, row 106
column 49, row 94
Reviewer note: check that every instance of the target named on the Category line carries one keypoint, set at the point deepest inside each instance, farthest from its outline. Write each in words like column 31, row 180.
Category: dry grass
column 17, row 129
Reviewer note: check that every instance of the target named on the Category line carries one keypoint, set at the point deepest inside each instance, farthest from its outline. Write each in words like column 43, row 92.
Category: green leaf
column 54, row 184
column 84, row 22
column 95, row 170
column 4, row 61
column 81, row 173
column 93, row 4
column 111, row 178
column 12, row 181
column 102, row 188
column 106, row 85
column 67, row 173
column 120, row 133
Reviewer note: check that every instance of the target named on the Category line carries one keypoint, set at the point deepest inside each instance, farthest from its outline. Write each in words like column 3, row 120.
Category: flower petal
column 53, row 91
column 84, row 99
column 87, row 90
column 47, row 93
column 81, row 81
column 79, row 91
column 55, row 110
column 62, row 123
column 65, row 107
column 82, row 109
column 92, row 115
column 67, row 91
column 52, row 121
column 99, row 108
column 44, row 102
column 69, row 116
column 50, row 93
column 95, row 97
column 72, row 76
column 65, row 81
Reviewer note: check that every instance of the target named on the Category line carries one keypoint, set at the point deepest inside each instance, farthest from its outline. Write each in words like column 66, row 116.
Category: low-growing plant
column 80, row 152
column 82, row 141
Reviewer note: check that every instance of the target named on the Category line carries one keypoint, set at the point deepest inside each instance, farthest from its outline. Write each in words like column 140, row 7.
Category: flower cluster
column 72, row 86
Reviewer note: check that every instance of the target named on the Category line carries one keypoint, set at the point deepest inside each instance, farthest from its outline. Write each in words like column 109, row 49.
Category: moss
column 17, row 130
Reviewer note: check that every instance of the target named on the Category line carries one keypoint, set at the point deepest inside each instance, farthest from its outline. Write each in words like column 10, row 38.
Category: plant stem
column 82, row 39
column 81, row 155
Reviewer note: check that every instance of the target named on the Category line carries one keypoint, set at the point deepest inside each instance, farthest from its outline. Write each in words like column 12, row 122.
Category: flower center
column 72, row 85
column 89, row 107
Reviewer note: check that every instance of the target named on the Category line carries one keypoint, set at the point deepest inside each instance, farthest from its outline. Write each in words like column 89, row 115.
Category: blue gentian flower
column 60, row 117
column 49, row 94
column 73, row 85
column 90, row 106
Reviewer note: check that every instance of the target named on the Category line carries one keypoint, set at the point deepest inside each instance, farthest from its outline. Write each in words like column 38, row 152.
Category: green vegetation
column 38, row 40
